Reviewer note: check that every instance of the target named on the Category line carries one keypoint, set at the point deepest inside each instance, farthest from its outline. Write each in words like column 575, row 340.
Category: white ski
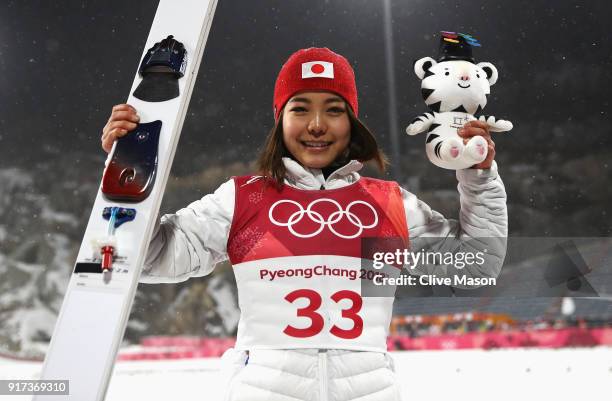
column 95, row 310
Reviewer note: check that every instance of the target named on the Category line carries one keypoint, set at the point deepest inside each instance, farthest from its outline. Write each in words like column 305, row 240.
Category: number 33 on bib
column 297, row 257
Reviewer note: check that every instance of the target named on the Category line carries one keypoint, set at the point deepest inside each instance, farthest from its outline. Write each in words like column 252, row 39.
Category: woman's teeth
column 316, row 144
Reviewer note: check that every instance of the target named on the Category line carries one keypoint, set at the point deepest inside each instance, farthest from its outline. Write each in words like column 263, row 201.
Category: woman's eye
column 336, row 110
column 298, row 109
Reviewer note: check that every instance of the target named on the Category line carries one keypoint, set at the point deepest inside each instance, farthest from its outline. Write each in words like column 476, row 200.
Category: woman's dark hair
column 362, row 147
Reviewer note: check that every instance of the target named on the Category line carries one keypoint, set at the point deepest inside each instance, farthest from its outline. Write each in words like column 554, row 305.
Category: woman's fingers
column 123, row 119
column 479, row 128
column 113, row 131
column 468, row 132
column 127, row 115
column 488, row 162
column 477, row 124
column 109, row 137
column 114, row 125
column 123, row 107
column 126, row 125
column 107, row 141
column 474, row 128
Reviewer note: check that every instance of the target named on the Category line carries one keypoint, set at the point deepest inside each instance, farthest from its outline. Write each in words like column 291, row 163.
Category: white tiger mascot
column 454, row 88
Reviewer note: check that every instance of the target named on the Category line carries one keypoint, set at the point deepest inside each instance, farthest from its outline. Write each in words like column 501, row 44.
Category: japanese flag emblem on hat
column 317, row 69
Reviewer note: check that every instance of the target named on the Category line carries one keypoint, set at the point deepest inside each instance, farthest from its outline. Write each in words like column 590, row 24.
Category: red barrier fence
column 176, row 348
column 152, row 348
column 554, row 338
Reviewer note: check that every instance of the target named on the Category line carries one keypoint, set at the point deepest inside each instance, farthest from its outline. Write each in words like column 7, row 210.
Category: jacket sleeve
column 482, row 225
column 192, row 241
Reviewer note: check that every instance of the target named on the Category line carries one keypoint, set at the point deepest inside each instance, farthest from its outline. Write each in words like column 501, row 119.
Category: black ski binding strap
column 161, row 67
column 88, row 267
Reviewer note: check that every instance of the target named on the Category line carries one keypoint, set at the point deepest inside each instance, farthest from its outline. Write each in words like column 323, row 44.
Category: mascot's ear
column 423, row 65
column 490, row 70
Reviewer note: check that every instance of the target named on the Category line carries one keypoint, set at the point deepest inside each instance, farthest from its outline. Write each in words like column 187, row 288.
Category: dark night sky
column 64, row 64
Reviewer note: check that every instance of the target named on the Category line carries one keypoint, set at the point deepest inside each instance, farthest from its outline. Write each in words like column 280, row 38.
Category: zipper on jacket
column 323, row 375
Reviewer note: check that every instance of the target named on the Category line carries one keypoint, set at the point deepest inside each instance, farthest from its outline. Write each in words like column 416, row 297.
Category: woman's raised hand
column 123, row 119
column 473, row 128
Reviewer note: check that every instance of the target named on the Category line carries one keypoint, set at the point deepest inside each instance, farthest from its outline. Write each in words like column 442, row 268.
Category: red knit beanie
column 315, row 69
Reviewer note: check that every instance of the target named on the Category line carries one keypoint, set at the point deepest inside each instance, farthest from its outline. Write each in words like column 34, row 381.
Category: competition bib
column 300, row 264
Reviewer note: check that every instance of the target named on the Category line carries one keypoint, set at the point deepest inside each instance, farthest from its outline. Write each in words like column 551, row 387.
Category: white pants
column 309, row 375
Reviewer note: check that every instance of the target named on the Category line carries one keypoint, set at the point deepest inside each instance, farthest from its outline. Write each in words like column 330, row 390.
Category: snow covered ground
column 517, row 374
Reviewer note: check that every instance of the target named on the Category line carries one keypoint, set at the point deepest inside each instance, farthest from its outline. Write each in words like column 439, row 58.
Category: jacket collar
column 311, row 178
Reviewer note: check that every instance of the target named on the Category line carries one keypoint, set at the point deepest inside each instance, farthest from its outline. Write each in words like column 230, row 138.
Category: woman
column 293, row 234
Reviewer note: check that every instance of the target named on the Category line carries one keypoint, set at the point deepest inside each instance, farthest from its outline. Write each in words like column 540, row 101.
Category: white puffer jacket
column 192, row 241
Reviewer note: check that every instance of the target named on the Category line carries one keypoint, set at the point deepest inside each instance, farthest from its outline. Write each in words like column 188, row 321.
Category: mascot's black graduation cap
column 456, row 46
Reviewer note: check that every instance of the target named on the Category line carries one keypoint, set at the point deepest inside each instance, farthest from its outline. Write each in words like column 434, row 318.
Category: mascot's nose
column 464, row 77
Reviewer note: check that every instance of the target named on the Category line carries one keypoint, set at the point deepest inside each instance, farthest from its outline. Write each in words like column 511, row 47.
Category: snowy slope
column 35, row 255
column 529, row 374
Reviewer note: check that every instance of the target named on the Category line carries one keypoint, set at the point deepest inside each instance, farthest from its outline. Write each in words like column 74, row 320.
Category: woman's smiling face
column 316, row 128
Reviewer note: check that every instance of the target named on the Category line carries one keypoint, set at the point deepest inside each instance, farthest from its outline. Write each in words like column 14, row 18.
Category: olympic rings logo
column 316, row 217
